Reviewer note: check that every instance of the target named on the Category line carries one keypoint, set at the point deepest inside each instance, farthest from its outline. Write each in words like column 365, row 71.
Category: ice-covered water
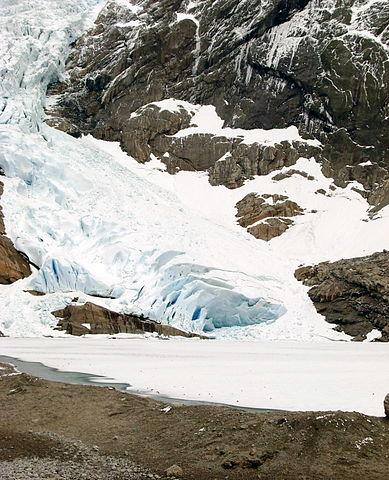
column 348, row 376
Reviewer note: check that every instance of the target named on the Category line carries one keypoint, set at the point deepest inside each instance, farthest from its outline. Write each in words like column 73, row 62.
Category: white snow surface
column 205, row 120
column 288, row 375
column 99, row 224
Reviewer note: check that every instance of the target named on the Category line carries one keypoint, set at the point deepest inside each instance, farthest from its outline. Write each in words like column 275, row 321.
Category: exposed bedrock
column 147, row 125
column 266, row 216
column 13, row 264
column 322, row 66
column 289, row 173
column 229, row 161
column 91, row 318
column 353, row 293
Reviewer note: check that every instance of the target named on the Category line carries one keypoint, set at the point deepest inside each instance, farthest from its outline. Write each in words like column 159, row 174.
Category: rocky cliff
column 321, row 65
column 353, row 293
column 91, row 318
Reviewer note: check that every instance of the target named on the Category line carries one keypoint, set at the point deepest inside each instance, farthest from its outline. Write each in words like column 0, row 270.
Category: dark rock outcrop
column 290, row 173
column 266, row 216
column 13, row 264
column 353, row 294
column 270, row 228
column 229, row 161
column 320, row 66
column 243, row 161
column 386, row 405
column 146, row 125
column 91, row 318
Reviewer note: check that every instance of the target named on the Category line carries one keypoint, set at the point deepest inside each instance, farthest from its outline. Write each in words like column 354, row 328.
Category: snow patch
column 373, row 335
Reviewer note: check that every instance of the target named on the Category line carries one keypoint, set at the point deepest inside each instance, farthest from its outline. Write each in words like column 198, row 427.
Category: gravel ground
column 93, row 468
column 39, row 456
column 57, row 431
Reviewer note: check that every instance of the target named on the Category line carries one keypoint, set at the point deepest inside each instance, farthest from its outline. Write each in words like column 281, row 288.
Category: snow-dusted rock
column 78, row 319
column 321, row 66
column 352, row 293
column 266, row 216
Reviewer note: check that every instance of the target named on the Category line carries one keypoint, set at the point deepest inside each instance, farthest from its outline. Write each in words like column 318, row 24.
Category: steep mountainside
column 251, row 138
column 322, row 65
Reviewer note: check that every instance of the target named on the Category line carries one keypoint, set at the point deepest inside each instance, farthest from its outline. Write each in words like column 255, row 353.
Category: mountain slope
column 320, row 65
column 102, row 226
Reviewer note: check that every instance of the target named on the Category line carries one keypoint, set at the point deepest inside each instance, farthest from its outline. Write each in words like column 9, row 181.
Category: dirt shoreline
column 52, row 430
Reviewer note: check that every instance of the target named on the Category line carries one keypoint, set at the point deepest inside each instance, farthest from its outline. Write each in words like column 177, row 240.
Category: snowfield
column 283, row 375
column 106, row 229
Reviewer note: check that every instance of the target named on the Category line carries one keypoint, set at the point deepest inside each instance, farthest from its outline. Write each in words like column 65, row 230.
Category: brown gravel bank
column 51, row 430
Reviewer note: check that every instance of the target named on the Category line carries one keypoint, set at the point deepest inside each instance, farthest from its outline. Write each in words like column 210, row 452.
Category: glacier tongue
column 95, row 222
column 200, row 298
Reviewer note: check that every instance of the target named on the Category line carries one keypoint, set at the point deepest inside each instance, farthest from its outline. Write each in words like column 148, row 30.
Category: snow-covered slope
column 97, row 223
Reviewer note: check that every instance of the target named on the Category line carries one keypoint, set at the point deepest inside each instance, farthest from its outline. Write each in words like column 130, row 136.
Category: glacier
column 101, row 227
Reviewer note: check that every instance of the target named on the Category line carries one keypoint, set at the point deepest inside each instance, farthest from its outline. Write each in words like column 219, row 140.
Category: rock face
column 91, row 318
column 242, row 162
column 145, row 127
column 386, row 405
column 290, row 173
column 13, row 264
column 266, row 216
column 353, row 294
column 152, row 129
column 322, row 66
column 230, row 161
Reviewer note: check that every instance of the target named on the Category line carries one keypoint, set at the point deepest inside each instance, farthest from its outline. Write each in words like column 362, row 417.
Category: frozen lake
column 268, row 375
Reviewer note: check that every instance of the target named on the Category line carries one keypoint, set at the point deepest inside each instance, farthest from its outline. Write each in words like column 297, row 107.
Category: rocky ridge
column 352, row 293
column 93, row 319
column 152, row 129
